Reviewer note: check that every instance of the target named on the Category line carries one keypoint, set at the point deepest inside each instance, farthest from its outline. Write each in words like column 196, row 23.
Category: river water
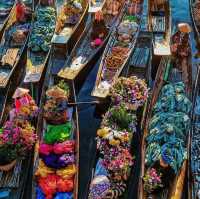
column 89, row 123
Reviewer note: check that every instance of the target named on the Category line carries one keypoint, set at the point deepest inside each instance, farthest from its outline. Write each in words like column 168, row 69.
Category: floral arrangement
column 119, row 118
column 113, row 137
column 16, row 140
column 131, row 91
column 152, row 180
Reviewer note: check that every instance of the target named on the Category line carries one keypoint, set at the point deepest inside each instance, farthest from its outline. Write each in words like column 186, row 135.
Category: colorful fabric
column 58, row 133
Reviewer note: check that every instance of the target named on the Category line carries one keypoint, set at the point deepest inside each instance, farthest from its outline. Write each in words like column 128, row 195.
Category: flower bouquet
column 133, row 92
column 118, row 118
column 15, row 142
column 152, row 180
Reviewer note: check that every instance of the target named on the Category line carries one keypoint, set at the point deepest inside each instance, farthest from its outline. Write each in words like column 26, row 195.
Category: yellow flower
column 102, row 132
column 114, row 142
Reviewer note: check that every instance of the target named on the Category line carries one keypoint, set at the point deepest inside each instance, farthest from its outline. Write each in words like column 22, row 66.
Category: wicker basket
column 8, row 167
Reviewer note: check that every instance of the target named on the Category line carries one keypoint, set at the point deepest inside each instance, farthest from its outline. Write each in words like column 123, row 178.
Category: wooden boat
column 108, row 72
column 140, row 61
column 69, row 32
column 6, row 9
column 14, row 176
column 36, row 56
column 11, row 49
column 167, row 72
column 84, row 53
column 140, row 66
column 159, row 20
column 127, row 191
column 194, row 12
column 49, row 81
column 96, row 5
column 193, row 182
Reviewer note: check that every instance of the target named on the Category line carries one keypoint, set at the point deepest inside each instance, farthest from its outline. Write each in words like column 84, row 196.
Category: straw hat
column 19, row 92
column 56, row 92
column 184, row 27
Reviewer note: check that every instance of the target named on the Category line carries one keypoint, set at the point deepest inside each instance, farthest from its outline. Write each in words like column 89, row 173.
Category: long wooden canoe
column 37, row 59
column 159, row 22
column 105, row 75
column 6, row 9
column 84, row 53
column 167, row 73
column 193, row 182
column 139, row 66
column 49, row 81
column 69, row 33
column 11, row 51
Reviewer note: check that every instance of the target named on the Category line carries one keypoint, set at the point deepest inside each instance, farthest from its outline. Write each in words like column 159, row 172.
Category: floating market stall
column 17, row 138
column 92, row 42
column 56, row 159
column 71, row 19
column 167, row 131
column 5, row 11
column 118, row 50
column 14, row 41
column 39, row 44
column 114, row 158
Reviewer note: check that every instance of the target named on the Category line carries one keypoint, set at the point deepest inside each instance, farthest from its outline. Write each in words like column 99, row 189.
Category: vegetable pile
column 43, row 29
column 167, row 138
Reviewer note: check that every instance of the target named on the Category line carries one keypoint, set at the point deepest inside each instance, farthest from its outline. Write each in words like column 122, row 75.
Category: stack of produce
column 43, row 29
column 56, row 170
column 167, row 138
column 18, row 135
column 70, row 14
column 114, row 140
column 121, row 48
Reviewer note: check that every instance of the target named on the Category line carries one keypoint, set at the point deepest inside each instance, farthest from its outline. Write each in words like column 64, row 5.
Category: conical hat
column 184, row 27
column 20, row 92
column 56, row 92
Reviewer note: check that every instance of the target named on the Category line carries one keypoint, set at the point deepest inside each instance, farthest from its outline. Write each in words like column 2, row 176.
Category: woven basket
column 9, row 166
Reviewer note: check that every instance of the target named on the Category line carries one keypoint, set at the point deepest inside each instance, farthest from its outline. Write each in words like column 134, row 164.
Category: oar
column 79, row 103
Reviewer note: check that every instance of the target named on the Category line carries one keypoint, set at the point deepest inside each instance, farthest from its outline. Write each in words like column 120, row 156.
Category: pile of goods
column 5, row 7
column 167, row 138
column 114, row 139
column 18, row 136
column 115, row 58
column 56, row 171
column 43, row 29
column 70, row 14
